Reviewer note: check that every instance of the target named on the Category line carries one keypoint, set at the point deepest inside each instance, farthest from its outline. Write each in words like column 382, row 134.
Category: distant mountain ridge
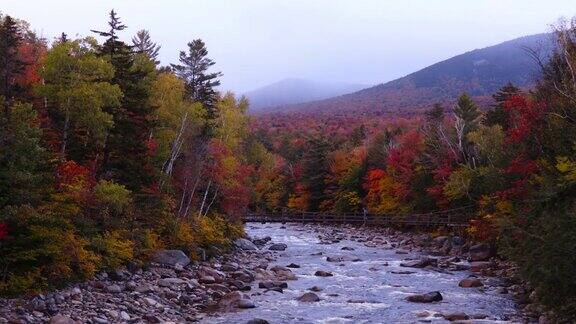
column 480, row 72
column 295, row 91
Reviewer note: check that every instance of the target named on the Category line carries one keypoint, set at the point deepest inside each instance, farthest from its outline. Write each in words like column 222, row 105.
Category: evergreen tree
column 497, row 115
column 142, row 43
column 467, row 111
column 200, row 83
column 125, row 155
column 10, row 64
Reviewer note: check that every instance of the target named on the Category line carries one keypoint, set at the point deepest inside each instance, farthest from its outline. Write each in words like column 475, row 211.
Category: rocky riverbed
column 298, row 274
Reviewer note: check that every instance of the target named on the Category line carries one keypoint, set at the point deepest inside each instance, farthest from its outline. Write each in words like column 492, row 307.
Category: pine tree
column 467, row 111
column 497, row 115
column 10, row 64
column 125, row 155
column 200, row 83
column 142, row 43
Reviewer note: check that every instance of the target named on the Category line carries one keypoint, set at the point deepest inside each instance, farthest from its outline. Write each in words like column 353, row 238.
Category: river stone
column 245, row 304
column 232, row 300
column 261, row 241
column 479, row 266
column 470, row 283
column 272, row 284
column 168, row 282
column 456, row 317
column 309, row 297
column 321, row 273
column 244, row 244
column 257, row 321
column 278, row 247
column 207, row 280
column 315, row 289
column 480, row 252
column 293, row 265
column 424, row 262
column 425, row 298
column 61, row 319
column 347, row 248
column 171, row 257
column 114, row 289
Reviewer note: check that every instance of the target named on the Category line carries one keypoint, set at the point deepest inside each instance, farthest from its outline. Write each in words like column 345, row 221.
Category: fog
column 257, row 42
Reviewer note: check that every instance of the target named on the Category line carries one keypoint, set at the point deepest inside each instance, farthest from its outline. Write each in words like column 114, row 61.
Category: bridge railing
column 453, row 217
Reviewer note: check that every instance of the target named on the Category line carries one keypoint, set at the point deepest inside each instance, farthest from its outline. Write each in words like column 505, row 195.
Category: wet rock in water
column 124, row 316
column 347, row 248
column 424, row 262
column 470, row 283
column 317, row 254
column 283, row 273
column 244, row 244
column 309, row 297
column 401, row 252
column 315, row 289
column 278, row 247
column 261, row 241
column 61, row 319
column 402, row 272
column 456, row 317
column 480, row 252
column 235, row 299
column 321, row 273
column 293, row 265
column 425, row 298
column 245, row 303
column 171, row 257
column 272, row 284
column 257, row 321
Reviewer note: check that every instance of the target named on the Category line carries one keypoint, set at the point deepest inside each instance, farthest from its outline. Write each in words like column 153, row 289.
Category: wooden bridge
column 458, row 217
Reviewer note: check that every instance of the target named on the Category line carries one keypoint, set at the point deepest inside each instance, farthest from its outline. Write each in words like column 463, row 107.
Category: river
column 372, row 290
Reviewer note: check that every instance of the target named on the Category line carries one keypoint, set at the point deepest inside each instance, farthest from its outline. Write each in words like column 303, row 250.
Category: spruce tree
column 200, row 83
column 10, row 64
column 468, row 112
column 498, row 115
column 125, row 155
column 142, row 43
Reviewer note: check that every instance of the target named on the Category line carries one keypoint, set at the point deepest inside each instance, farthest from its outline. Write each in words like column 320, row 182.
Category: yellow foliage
column 567, row 167
column 113, row 249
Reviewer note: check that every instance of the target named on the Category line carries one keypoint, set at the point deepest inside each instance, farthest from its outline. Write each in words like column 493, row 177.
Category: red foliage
column 525, row 115
column 3, row 230
column 151, row 146
column 75, row 180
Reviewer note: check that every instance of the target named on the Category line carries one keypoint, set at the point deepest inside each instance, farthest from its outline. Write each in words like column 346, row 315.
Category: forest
column 107, row 156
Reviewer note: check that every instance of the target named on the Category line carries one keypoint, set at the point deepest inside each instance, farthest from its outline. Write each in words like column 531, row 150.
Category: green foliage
column 113, row 196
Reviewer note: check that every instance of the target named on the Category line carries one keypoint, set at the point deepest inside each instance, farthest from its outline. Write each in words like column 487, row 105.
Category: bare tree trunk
column 205, row 195
column 65, row 135
column 211, row 201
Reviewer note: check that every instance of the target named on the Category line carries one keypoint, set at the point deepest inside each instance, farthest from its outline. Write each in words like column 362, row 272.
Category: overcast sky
column 257, row 42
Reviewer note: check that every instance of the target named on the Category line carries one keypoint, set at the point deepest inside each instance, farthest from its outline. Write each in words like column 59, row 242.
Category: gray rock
column 456, row 317
column 425, row 298
column 144, row 288
column 124, row 316
column 207, row 280
column 321, row 273
column 424, row 262
column 470, row 283
column 114, row 289
column 245, row 303
column 309, row 297
column 278, row 247
column 244, row 244
column 293, row 265
column 168, row 282
column 257, row 321
column 61, row 319
column 480, row 252
column 315, row 289
column 171, row 257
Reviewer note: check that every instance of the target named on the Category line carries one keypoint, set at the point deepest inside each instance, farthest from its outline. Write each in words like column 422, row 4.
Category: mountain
column 480, row 73
column 294, row 91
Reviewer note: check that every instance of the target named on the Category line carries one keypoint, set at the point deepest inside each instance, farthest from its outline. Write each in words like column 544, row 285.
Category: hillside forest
column 107, row 156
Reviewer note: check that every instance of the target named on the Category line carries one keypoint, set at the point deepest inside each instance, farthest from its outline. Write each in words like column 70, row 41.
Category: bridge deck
column 454, row 218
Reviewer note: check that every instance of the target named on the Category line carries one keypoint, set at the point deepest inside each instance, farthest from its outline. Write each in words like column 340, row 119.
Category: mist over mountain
column 295, row 91
column 479, row 72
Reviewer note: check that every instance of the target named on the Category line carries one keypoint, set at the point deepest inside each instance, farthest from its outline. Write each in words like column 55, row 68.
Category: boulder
column 479, row 266
column 283, row 273
column 293, row 265
column 244, row 244
column 114, row 289
column 321, row 273
column 257, row 321
column 309, row 297
column 480, row 252
column 245, row 303
column 171, row 257
column 235, row 300
column 347, row 248
column 470, row 283
column 425, row 298
column 261, row 241
column 272, row 284
column 456, row 317
column 168, row 282
column 278, row 247
column 315, row 289
column 61, row 319
column 424, row 262
column 207, row 280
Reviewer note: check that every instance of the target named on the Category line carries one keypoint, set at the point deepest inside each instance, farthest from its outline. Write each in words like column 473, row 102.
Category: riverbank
column 348, row 273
